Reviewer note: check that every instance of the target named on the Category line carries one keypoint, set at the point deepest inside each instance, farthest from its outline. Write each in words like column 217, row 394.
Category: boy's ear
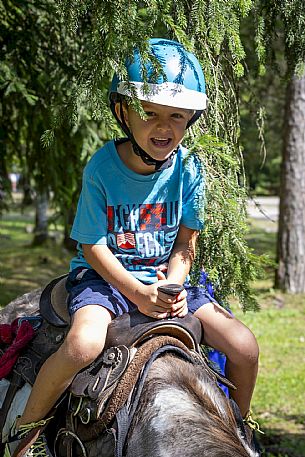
column 192, row 112
column 119, row 113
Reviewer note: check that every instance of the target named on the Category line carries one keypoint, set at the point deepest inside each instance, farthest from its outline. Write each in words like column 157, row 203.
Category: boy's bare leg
column 82, row 345
column 230, row 336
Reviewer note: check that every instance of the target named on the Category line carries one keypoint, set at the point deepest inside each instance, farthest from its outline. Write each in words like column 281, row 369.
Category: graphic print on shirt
column 142, row 234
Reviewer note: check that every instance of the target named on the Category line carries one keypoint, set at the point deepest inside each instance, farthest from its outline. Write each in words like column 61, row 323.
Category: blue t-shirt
column 137, row 216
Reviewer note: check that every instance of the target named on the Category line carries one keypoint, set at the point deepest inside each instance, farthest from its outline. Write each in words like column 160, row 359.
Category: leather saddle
column 93, row 386
column 128, row 329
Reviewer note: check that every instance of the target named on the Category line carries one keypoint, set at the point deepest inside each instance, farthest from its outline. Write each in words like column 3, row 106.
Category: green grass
column 279, row 400
column 22, row 266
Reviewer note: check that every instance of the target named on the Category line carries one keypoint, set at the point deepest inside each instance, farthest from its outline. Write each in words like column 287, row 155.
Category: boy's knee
column 245, row 348
column 83, row 349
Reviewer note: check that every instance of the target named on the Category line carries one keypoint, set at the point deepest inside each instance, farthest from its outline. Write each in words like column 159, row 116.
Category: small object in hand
column 171, row 289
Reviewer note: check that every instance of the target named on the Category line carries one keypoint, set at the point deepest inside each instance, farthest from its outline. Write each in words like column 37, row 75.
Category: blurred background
column 57, row 60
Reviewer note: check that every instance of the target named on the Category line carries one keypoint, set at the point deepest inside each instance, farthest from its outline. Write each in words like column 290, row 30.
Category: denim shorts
column 86, row 287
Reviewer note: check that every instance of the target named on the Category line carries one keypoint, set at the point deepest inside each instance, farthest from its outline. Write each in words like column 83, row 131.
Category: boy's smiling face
column 162, row 130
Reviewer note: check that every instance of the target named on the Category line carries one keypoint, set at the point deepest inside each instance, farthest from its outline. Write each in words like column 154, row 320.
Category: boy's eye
column 149, row 113
column 178, row 116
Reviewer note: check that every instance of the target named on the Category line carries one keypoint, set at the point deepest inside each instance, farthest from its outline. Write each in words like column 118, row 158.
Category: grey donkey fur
column 182, row 412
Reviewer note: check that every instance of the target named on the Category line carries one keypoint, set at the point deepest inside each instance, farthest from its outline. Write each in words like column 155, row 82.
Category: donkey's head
column 183, row 412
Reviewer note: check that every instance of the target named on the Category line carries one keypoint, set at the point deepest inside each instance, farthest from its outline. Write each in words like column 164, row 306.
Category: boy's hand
column 159, row 305
column 178, row 303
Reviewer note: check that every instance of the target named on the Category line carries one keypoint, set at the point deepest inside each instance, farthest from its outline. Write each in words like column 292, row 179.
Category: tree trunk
column 4, row 183
column 28, row 193
column 68, row 221
column 290, row 275
column 41, row 218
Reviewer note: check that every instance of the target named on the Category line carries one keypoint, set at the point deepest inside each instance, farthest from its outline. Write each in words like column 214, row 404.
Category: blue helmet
column 180, row 84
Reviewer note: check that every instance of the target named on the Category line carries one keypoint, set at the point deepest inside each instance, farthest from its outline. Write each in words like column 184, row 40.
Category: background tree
column 289, row 15
column 262, row 106
column 39, row 60
column 290, row 274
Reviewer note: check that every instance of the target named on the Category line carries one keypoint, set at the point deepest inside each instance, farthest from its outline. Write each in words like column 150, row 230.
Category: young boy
column 136, row 225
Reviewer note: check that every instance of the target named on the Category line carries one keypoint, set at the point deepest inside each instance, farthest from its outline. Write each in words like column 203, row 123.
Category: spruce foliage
column 288, row 16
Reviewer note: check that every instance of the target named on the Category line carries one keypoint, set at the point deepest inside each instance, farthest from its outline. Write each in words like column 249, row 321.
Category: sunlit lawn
column 279, row 400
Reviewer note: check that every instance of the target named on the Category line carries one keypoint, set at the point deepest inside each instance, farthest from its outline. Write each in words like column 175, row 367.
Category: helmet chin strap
column 148, row 160
column 159, row 165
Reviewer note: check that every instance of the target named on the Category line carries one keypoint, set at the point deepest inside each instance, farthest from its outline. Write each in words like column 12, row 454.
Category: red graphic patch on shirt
column 126, row 240
column 146, row 262
column 110, row 218
column 152, row 214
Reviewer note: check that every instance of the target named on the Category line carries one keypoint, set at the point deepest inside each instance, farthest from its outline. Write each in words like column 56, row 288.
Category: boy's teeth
column 161, row 141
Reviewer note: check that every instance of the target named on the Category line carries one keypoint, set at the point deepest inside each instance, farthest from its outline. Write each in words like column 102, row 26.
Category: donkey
column 178, row 408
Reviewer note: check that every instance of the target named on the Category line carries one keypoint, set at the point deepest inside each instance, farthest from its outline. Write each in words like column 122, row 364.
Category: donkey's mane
column 181, row 399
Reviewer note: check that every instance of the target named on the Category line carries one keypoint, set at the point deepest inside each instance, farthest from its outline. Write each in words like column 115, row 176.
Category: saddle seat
column 129, row 329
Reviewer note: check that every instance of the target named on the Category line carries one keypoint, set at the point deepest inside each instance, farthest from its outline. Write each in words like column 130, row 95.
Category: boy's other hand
column 159, row 305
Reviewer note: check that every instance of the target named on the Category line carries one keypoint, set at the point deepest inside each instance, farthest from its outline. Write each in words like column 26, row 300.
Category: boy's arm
column 179, row 265
column 182, row 255
column 146, row 297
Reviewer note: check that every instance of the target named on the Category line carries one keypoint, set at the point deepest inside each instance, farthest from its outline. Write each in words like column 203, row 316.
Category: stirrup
column 251, row 423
